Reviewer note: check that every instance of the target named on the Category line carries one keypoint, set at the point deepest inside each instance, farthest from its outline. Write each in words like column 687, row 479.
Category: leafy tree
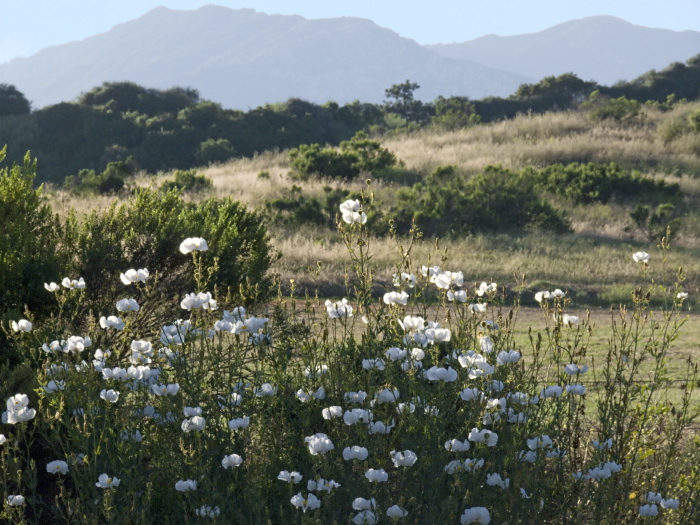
column 214, row 150
column 557, row 92
column 370, row 156
column 454, row 113
column 12, row 101
column 401, row 101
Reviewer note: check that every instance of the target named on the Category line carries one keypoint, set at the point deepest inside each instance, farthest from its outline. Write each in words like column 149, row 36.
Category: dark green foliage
column 359, row 154
column 187, row 182
column 311, row 160
column 110, row 181
column 618, row 109
column 556, row 92
column 214, row 150
column 587, row 183
column 498, row 199
column 656, row 224
column 30, row 238
column 147, row 231
column 298, row 209
column 454, row 113
column 369, row 154
column 694, row 121
column 401, row 102
column 12, row 101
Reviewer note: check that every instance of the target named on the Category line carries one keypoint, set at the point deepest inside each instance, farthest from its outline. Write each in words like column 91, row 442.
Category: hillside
column 243, row 59
column 600, row 48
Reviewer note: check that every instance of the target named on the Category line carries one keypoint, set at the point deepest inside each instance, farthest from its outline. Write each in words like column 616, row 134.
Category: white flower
column 332, row 412
column 376, row 363
column 200, row 300
column 319, row 443
column 477, row 308
column 107, row 482
column 540, row 296
column 134, row 436
column 379, row 427
column 54, row 386
column 52, row 287
column 511, row 356
column 57, row 466
column 570, row 320
column 485, row 288
column 396, row 298
column 350, row 210
column 396, row 512
column 318, row 371
column 459, row 296
column 573, row 369
column 483, row 436
column 681, row 296
column 309, row 503
column 670, row 503
column 192, row 244
column 407, row 458
column 454, row 445
column 239, row 422
column 72, row 284
column 604, row 445
column 642, row 257
column 22, row 326
column 577, row 389
column 364, row 504
column 321, row 485
column 133, row 276
column 193, row 423
column 649, row 509
column 127, row 305
column 478, row 515
column 365, row 517
column 289, row 477
column 355, row 452
column 266, row 389
column 186, row 485
column 405, row 278
column 338, row 309
column 495, row 480
column 387, row 395
column 206, row 511
column 355, row 397
column 446, row 375
column 558, row 294
column 232, row 460
column 395, row 354
column 377, row 476
column 552, row 391
column 109, row 395
column 15, row 500
column 112, row 322
column 3, row 439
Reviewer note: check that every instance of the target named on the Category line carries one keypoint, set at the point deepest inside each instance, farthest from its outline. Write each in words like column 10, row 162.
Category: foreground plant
column 415, row 405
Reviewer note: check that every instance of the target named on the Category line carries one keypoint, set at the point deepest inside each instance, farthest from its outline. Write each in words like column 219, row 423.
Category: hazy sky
column 30, row 25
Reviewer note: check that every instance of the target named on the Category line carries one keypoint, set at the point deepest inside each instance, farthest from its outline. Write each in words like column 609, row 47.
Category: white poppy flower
column 56, row 467
column 72, row 284
column 240, row 422
column 310, row 502
column 396, row 512
column 112, row 322
column 206, row 511
column 109, row 395
column 289, row 477
column 15, row 500
column 454, row 445
column 338, row 309
column 22, row 326
column 52, row 287
column 193, row 423
column 351, row 212
column 478, row 515
column 321, row 485
column 333, row 412
column 319, row 443
column 483, row 436
column 541, row 296
column 107, row 482
column 127, row 305
column 192, row 244
column 407, row 458
column 133, row 276
column 232, row 460
column 459, row 296
column 396, row 298
column 186, row 485
column 551, row 391
column 495, row 480
column 505, row 357
column 355, row 452
column 376, row 475
column 642, row 257
column 355, row 397
column 446, row 375
column 649, row 510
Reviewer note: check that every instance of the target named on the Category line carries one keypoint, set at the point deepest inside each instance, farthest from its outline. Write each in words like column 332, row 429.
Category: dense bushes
column 495, row 200
column 587, row 183
column 187, row 181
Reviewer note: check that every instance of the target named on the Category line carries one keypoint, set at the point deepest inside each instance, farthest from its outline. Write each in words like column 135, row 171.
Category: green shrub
column 110, row 181
column 694, row 121
column 146, row 231
column 187, row 181
column 618, row 109
column 495, row 200
column 370, row 155
column 311, row 160
column 214, row 150
column 587, row 183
